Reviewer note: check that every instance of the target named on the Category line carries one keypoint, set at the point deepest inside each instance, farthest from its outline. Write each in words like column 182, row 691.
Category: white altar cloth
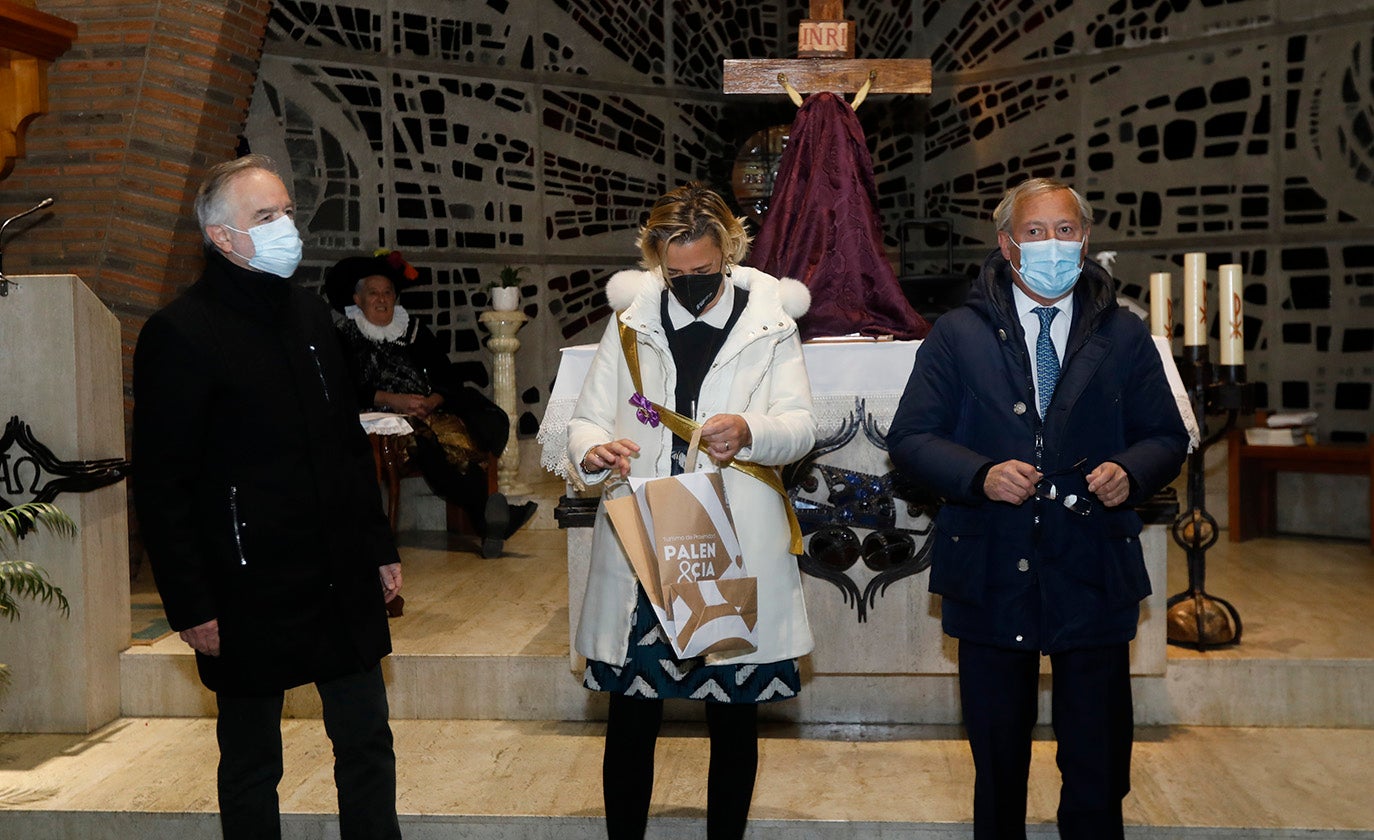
column 835, row 383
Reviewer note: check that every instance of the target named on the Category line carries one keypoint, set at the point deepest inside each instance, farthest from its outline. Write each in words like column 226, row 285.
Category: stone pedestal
column 60, row 373
column 503, row 344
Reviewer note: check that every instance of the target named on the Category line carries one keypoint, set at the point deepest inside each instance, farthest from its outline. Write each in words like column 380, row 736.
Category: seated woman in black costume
column 399, row 367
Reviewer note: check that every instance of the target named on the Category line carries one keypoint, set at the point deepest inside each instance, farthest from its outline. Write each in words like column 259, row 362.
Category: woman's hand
column 610, row 456
column 724, row 435
column 430, row 404
column 412, row 404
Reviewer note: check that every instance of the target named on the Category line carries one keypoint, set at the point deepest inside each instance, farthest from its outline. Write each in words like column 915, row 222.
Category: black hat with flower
column 341, row 280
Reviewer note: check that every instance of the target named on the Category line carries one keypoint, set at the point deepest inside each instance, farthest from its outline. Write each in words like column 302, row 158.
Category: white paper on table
column 1287, row 419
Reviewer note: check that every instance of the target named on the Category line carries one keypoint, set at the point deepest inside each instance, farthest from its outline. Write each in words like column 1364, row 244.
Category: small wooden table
column 1253, row 473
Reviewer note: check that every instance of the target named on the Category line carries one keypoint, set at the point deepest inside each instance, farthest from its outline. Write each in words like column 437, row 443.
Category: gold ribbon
column 683, row 427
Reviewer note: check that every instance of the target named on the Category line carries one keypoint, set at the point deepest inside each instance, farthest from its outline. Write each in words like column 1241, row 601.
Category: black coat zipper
column 238, row 526
column 319, row 368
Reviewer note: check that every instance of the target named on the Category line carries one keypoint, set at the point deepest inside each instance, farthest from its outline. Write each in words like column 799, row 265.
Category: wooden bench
column 1253, row 473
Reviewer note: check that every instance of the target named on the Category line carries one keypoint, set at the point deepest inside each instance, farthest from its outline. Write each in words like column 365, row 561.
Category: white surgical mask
column 276, row 246
column 1050, row 267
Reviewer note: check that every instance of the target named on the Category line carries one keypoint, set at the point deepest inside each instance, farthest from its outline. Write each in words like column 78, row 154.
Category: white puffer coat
column 760, row 375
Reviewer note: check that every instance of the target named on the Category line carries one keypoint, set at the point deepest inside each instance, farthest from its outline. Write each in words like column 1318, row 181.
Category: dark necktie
column 1046, row 360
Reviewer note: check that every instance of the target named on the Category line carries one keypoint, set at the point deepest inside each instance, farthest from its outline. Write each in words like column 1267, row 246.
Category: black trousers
column 1093, row 725
column 250, row 763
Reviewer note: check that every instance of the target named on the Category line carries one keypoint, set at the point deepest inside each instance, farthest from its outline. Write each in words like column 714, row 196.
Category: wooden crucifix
column 825, row 61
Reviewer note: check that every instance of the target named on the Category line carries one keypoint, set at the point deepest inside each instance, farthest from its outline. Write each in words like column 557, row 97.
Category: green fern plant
column 21, row 579
column 509, row 277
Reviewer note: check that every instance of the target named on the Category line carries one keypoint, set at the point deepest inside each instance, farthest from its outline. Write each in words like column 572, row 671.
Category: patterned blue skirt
column 652, row 670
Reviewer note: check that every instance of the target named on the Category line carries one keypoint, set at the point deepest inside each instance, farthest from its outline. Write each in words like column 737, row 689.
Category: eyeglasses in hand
column 1046, row 489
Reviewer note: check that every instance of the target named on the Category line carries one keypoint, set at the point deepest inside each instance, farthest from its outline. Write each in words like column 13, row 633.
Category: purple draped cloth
column 822, row 228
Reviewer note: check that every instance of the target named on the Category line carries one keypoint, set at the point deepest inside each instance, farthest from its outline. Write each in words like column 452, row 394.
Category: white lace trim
column 832, row 410
column 395, row 331
column 553, row 437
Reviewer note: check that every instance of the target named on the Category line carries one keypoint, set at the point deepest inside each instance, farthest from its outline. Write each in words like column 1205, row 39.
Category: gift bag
column 682, row 544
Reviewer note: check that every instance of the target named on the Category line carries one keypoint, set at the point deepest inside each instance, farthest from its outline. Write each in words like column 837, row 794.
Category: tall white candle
column 1194, row 298
column 1162, row 304
column 1229, row 289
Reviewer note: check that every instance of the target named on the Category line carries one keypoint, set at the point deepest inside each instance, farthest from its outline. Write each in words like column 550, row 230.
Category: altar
column 880, row 652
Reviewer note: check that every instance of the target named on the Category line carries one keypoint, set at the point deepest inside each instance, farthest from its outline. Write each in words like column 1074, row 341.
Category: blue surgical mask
column 1050, row 267
column 276, row 246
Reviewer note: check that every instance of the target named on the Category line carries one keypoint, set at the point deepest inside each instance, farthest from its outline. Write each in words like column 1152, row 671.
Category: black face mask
column 694, row 291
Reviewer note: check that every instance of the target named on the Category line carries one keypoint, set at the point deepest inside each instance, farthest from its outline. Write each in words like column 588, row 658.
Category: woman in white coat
column 718, row 343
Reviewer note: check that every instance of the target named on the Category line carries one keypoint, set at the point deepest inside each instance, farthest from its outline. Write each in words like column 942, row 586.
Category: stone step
column 494, row 780
column 485, row 687
column 488, row 639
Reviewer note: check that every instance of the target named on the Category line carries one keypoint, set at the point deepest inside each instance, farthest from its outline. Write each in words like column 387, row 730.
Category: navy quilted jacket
column 1037, row 575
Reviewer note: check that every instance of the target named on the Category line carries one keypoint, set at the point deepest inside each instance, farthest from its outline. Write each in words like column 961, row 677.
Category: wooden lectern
column 61, row 374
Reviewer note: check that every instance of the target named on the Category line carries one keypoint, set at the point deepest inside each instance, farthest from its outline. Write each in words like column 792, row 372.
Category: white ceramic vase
column 505, row 298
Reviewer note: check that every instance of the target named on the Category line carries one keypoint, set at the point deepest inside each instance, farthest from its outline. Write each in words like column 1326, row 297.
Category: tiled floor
column 1310, row 779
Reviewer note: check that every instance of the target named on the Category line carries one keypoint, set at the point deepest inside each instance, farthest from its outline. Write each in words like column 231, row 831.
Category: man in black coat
column 256, row 492
column 1040, row 412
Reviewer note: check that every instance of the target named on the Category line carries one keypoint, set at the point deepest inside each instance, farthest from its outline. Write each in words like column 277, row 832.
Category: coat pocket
column 1125, row 577
column 959, row 560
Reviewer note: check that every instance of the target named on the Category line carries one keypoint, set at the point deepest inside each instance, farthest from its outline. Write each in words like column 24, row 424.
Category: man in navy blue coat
column 1040, row 413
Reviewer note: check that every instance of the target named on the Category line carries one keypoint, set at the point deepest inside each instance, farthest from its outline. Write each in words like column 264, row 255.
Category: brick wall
column 150, row 95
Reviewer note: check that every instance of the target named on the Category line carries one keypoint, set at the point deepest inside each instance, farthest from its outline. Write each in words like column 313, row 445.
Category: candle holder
column 1196, row 618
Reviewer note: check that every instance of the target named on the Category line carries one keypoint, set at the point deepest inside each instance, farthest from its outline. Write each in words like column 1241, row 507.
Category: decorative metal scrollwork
column 38, row 475
column 855, row 502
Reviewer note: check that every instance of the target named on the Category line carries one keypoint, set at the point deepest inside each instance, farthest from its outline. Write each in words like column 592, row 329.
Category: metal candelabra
column 1197, row 619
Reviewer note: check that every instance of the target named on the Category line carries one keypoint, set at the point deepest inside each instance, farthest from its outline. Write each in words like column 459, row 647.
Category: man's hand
column 204, row 638
column 391, row 580
column 1110, row 483
column 1011, row 481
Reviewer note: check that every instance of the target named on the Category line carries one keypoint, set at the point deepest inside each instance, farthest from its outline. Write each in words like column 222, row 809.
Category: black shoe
column 495, row 521
column 519, row 516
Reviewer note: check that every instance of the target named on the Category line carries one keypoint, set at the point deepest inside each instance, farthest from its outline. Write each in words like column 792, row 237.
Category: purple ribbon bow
column 647, row 414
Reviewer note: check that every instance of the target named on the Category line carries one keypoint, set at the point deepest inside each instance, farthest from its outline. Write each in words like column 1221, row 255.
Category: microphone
column 47, row 202
column 4, row 283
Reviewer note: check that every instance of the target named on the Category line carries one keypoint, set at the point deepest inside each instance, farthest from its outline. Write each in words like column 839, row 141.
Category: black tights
column 627, row 770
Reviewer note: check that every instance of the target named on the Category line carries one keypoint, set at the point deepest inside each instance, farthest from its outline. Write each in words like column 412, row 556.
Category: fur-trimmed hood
column 637, row 287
